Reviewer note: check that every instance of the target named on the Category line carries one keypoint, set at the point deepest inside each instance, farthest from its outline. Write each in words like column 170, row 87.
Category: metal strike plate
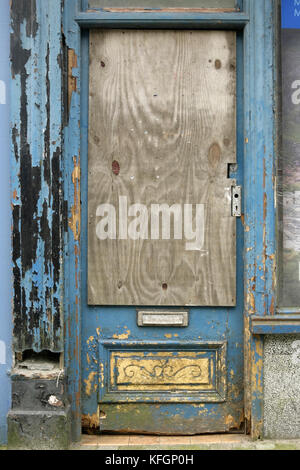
column 236, row 201
column 162, row 318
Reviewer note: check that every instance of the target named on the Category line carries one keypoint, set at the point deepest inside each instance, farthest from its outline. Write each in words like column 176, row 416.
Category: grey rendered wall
column 282, row 387
column 5, row 244
column 5, row 222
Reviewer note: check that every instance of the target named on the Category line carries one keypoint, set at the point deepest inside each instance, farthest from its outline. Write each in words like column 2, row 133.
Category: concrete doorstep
column 204, row 442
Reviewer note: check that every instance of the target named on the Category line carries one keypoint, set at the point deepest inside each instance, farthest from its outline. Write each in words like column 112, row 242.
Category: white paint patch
column 2, row 352
column 2, row 92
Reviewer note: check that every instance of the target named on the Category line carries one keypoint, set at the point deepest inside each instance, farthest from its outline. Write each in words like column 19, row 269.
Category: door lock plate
column 236, row 201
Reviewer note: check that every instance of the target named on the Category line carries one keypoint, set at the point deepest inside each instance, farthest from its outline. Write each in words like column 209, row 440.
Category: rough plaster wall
column 282, row 387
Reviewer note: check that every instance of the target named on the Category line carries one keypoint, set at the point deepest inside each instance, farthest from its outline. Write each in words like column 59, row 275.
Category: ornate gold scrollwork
column 164, row 371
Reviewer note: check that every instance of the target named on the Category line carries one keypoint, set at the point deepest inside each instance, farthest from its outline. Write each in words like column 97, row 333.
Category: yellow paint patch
column 123, row 336
column 75, row 219
column 101, row 375
column 251, row 302
column 90, row 340
column 89, row 382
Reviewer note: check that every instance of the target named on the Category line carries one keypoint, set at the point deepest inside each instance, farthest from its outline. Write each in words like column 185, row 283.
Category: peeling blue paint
column 206, row 324
column 43, row 44
column 72, row 139
column 259, row 190
column 36, row 175
column 157, row 19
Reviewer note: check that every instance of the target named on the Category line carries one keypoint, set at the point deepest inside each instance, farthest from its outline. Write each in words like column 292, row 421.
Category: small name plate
column 162, row 318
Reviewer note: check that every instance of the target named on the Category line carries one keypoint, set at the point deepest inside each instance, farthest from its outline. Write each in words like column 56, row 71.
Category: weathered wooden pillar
column 40, row 412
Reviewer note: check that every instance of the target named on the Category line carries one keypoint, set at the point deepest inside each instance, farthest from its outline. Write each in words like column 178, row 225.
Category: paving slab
column 203, row 442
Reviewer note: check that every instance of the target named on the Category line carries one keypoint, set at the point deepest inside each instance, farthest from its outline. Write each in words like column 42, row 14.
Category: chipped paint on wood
column 260, row 264
column 72, row 80
column 101, row 375
column 184, row 416
column 72, row 185
column 163, row 372
column 123, row 335
column 258, row 258
column 91, row 422
column 147, row 418
column 89, row 383
column 37, row 205
column 75, row 220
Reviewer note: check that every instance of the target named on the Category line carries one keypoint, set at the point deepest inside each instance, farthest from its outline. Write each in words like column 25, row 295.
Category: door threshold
column 133, row 440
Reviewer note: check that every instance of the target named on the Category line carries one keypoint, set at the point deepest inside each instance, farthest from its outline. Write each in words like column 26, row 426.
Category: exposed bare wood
column 162, row 131
column 72, row 81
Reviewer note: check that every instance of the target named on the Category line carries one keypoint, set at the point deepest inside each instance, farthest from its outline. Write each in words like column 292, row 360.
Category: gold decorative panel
column 161, row 371
column 144, row 372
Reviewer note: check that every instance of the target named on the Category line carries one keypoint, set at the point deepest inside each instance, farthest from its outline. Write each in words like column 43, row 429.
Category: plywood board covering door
column 162, row 131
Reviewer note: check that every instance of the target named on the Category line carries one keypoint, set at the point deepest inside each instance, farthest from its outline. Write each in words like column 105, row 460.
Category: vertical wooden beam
column 37, row 201
column 72, row 178
column 260, row 73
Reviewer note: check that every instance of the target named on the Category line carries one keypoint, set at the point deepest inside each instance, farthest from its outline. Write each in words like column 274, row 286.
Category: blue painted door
column 157, row 367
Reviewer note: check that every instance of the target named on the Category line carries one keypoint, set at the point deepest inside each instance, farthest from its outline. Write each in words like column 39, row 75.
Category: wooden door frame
column 257, row 21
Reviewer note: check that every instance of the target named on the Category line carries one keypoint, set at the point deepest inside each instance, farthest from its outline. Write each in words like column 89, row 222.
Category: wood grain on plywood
column 162, row 131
